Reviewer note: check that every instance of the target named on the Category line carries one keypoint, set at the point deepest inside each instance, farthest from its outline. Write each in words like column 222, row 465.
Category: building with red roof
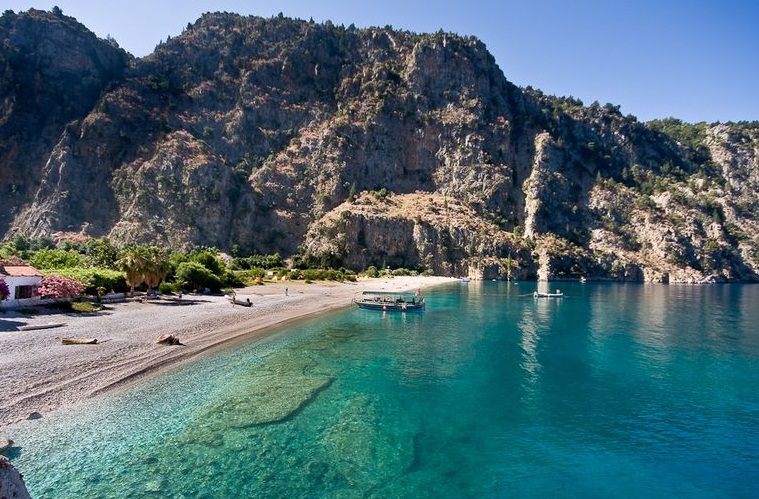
column 23, row 281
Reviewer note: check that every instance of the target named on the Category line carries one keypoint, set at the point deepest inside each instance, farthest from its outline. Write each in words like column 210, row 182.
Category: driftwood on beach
column 32, row 327
column 79, row 341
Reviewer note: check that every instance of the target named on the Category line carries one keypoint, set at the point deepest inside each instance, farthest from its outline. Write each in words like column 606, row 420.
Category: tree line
column 101, row 267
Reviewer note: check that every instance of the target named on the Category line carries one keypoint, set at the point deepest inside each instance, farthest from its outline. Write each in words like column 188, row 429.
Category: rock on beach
column 5, row 444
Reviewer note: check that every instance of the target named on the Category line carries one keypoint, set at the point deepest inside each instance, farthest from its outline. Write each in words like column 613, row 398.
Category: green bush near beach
column 94, row 278
column 81, row 307
column 323, row 275
column 167, row 288
column 193, row 276
column 250, row 277
column 85, row 307
column 47, row 259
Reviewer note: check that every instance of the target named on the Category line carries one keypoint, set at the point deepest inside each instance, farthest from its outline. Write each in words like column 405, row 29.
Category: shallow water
column 612, row 391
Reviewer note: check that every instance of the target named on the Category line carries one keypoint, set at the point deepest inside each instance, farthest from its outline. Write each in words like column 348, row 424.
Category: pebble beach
column 39, row 374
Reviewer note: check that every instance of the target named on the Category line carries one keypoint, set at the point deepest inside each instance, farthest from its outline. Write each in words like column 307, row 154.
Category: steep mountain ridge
column 280, row 135
column 52, row 72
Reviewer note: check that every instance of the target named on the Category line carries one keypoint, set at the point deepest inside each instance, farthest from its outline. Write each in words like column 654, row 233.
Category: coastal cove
column 612, row 390
column 39, row 375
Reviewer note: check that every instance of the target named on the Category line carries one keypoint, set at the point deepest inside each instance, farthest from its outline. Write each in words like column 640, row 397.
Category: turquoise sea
column 615, row 390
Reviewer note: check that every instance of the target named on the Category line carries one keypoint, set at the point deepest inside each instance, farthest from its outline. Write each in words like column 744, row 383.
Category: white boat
column 557, row 294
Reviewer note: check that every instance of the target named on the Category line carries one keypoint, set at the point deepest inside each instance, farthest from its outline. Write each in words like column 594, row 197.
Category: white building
column 23, row 282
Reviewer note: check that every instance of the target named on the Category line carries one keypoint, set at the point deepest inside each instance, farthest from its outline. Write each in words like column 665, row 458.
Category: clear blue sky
column 695, row 60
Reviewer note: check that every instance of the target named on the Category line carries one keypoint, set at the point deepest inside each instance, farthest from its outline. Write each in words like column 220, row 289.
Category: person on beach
column 234, row 298
column 285, row 291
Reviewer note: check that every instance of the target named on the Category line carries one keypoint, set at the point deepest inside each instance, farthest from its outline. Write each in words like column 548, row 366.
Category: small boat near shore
column 557, row 294
column 387, row 300
column 234, row 300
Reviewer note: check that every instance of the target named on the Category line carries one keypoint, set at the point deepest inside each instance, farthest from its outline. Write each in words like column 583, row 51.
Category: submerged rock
column 273, row 392
column 373, row 442
column 269, row 401
column 288, row 362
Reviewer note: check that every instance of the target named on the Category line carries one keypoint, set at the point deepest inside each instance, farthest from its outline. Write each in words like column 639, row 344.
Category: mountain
column 356, row 147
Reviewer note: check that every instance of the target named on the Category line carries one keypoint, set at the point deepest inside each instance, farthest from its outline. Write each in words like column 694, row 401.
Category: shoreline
column 39, row 375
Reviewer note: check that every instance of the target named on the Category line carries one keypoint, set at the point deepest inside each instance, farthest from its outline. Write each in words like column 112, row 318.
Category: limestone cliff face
column 52, row 73
column 416, row 231
column 280, row 135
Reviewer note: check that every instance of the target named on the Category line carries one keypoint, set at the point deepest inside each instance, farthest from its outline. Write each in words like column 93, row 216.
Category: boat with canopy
column 390, row 300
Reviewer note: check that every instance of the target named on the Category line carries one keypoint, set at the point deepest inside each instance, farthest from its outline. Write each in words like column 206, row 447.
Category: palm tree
column 157, row 266
column 143, row 264
column 132, row 262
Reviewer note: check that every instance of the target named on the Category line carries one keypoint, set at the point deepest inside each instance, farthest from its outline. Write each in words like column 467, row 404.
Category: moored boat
column 238, row 301
column 388, row 300
column 557, row 294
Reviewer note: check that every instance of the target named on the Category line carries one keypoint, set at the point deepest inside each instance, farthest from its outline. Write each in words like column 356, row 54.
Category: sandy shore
column 40, row 374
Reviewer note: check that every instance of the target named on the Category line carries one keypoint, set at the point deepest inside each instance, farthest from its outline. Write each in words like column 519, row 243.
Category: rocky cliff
column 53, row 71
column 360, row 147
